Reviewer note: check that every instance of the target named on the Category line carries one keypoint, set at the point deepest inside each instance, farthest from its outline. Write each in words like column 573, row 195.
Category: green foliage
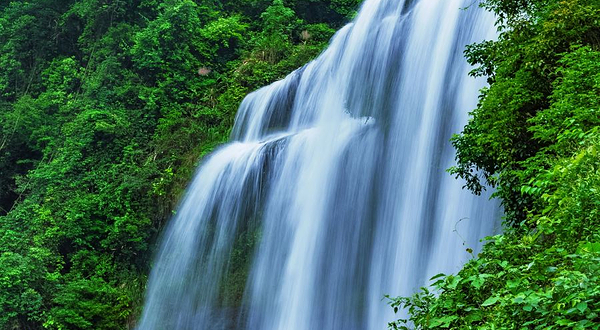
column 530, row 58
column 105, row 108
column 278, row 19
column 534, row 136
column 548, row 278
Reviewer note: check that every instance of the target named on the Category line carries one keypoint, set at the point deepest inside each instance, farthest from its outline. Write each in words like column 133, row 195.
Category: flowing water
column 334, row 184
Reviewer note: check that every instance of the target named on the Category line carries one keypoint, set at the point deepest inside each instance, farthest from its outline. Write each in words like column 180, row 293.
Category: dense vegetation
column 534, row 137
column 105, row 108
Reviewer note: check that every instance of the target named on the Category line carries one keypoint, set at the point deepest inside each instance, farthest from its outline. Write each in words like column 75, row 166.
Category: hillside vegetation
column 105, row 108
column 534, row 137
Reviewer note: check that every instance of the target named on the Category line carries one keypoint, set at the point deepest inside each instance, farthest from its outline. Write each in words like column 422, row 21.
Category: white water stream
column 338, row 172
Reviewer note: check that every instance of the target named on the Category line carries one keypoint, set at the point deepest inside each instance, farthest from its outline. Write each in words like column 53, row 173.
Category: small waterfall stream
column 333, row 183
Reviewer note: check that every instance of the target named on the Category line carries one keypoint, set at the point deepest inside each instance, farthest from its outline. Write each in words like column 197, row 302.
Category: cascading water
column 337, row 172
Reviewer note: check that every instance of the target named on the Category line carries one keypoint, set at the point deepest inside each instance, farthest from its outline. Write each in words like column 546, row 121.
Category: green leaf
column 454, row 281
column 582, row 306
column 490, row 301
column 437, row 276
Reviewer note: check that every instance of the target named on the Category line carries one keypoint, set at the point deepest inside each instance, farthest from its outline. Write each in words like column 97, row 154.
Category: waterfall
column 333, row 190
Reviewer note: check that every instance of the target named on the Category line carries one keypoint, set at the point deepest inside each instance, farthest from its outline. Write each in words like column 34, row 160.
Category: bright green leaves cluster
column 535, row 137
column 540, row 287
column 534, row 53
column 575, row 104
column 538, row 281
column 105, row 108
column 278, row 19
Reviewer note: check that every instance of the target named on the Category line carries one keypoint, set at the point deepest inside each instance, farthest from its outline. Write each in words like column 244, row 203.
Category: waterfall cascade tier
column 337, row 175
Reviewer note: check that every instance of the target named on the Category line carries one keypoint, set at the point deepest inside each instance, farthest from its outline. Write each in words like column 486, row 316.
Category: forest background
column 106, row 106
